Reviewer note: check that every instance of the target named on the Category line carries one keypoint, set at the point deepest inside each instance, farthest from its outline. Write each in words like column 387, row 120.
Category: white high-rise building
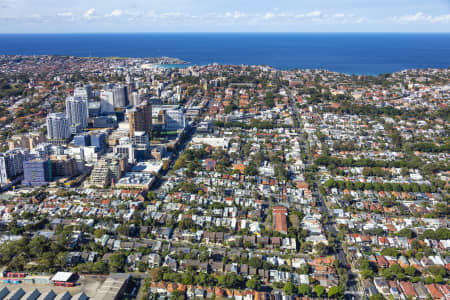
column 77, row 113
column 135, row 99
column 11, row 165
column 173, row 116
column 107, row 101
column 58, row 126
column 83, row 92
column 175, row 119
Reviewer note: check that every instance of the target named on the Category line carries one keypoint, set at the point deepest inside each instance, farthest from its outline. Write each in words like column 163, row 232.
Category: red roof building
column 280, row 218
column 408, row 289
column 434, row 291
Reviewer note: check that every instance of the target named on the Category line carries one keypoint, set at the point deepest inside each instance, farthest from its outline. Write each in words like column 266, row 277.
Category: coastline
column 348, row 53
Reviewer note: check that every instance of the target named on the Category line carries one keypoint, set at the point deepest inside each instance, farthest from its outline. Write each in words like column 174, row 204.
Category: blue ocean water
column 358, row 53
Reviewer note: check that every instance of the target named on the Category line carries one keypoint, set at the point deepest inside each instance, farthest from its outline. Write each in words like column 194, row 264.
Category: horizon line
column 236, row 32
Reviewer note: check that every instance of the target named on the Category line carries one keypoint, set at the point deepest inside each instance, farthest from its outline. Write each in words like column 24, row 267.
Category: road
column 189, row 133
column 352, row 291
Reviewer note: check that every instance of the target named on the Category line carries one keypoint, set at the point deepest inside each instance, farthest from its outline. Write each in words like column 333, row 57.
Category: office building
column 11, row 165
column 107, row 101
column 82, row 140
column 77, row 113
column 142, row 143
column 98, row 140
column 63, row 166
column 170, row 117
column 140, row 118
column 128, row 150
column 44, row 150
column 120, row 96
column 37, row 172
column 135, row 98
column 94, row 109
column 83, row 92
column 58, row 126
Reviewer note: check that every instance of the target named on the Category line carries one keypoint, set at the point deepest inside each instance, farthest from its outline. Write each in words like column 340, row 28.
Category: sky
column 56, row 16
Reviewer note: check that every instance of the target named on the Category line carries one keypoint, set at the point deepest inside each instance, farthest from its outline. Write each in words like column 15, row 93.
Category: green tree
column 289, row 288
column 367, row 273
column 254, row 283
column 437, row 270
column 439, row 279
column 117, row 262
column 387, row 274
column 230, row 280
column 321, row 249
column 255, row 262
column 305, row 269
column 99, row 267
column 188, row 278
column 410, row 271
column 336, row 292
column 389, row 252
column 376, row 297
column 319, row 290
column 177, row 295
column 396, row 269
column 304, row 290
column 429, row 280
column 142, row 266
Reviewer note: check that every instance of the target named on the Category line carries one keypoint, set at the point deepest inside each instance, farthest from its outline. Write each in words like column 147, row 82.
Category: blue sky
column 56, row 16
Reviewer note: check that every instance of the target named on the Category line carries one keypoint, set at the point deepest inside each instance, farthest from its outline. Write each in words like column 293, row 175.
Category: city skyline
column 49, row 16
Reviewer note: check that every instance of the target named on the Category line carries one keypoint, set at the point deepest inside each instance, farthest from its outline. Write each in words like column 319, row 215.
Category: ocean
column 351, row 53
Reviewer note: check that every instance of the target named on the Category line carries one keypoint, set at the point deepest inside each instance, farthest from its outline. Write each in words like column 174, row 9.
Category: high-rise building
column 135, row 99
column 106, row 101
column 142, row 143
column 37, row 172
column 108, row 170
column 98, row 140
column 171, row 116
column 94, row 108
column 83, row 92
column 113, row 97
column 82, row 140
column 101, row 175
column 63, row 166
column 58, row 126
column 128, row 150
column 11, row 165
column 77, row 113
column 120, row 96
column 175, row 119
column 140, row 118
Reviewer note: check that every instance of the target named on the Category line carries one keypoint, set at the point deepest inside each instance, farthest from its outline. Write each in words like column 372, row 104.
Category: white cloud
column 90, row 13
column 238, row 14
column 420, row 17
column 66, row 14
column 237, row 17
column 361, row 20
column 151, row 14
column 269, row 16
column 115, row 13
column 314, row 14
column 172, row 15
